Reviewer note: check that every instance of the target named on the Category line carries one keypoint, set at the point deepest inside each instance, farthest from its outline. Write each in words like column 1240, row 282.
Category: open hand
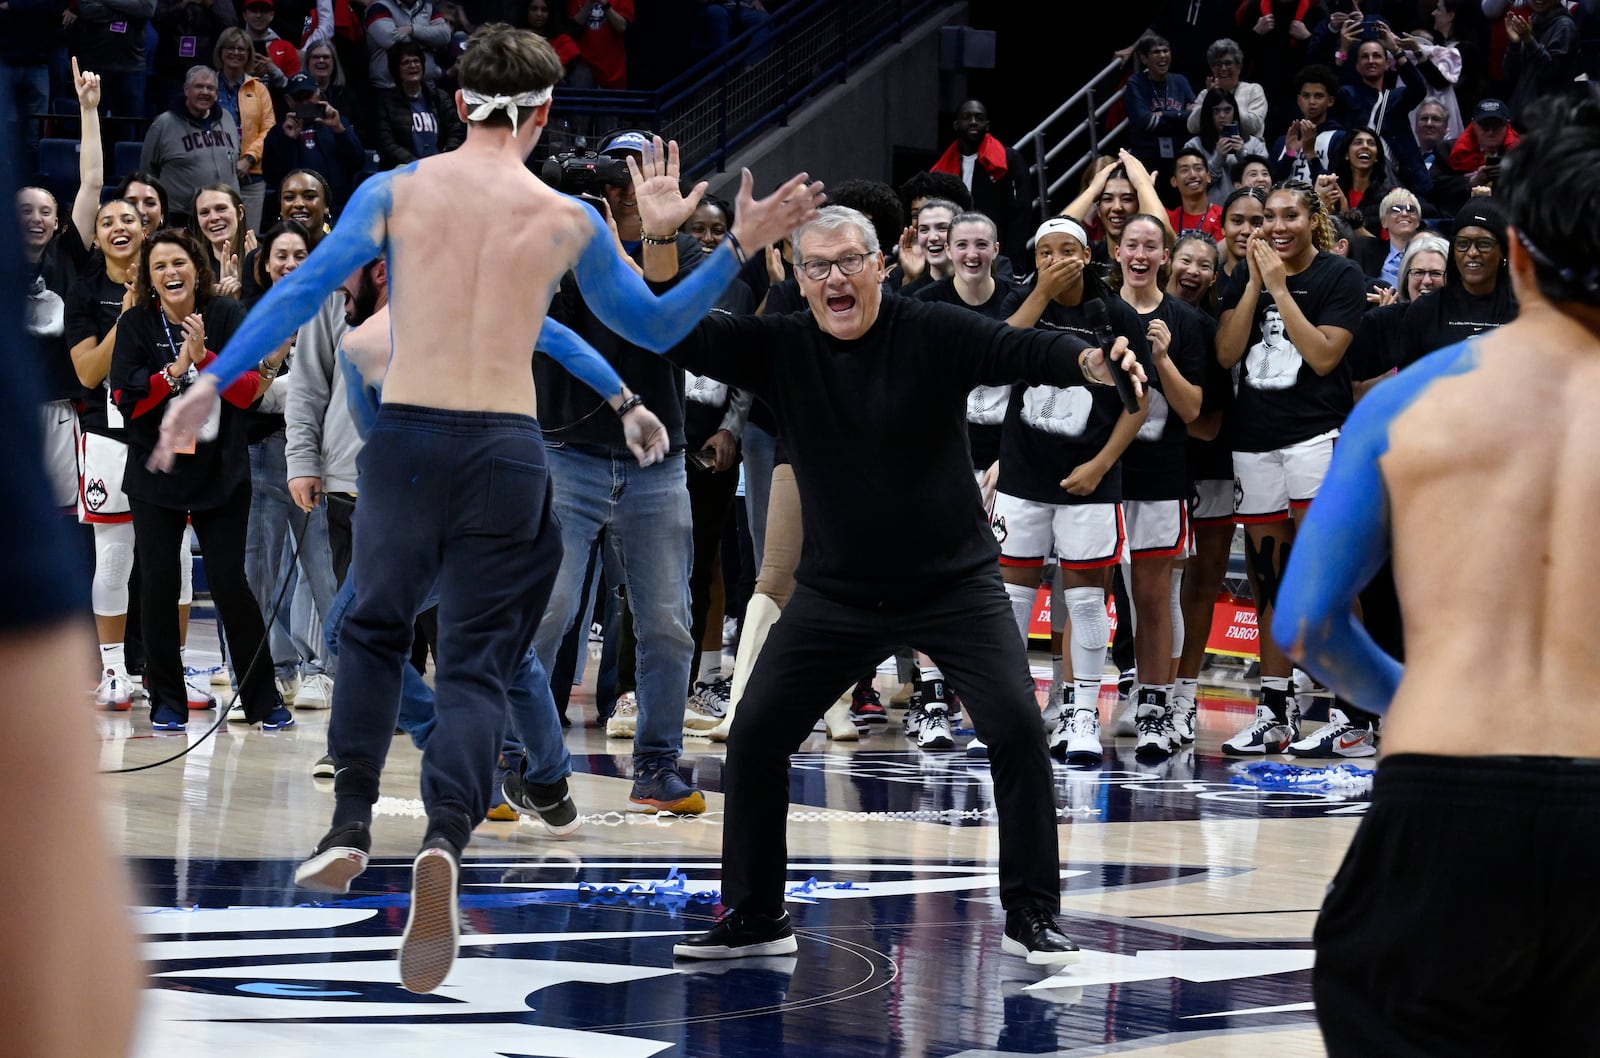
column 663, row 207
column 766, row 220
column 1266, row 264
column 912, row 260
column 1059, row 274
column 180, row 426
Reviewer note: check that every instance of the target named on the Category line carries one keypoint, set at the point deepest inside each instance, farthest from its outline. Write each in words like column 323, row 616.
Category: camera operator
column 312, row 135
column 598, row 485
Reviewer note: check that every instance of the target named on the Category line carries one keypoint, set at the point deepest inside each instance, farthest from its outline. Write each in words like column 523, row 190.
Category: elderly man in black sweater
column 864, row 587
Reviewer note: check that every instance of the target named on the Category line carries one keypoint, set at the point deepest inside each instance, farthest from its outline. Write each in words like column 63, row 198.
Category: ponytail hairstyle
column 1322, row 235
column 1162, row 273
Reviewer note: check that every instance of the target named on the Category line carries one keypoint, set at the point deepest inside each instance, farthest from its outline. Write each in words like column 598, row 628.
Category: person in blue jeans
column 454, row 483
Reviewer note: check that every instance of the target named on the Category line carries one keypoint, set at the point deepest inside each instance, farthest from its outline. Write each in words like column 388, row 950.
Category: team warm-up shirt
column 1449, row 315
column 1213, row 460
column 1155, row 467
column 986, row 405
column 1050, row 430
column 1281, row 400
column 913, row 368
column 93, row 305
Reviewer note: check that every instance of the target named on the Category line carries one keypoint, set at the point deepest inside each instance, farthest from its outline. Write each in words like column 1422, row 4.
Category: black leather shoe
column 739, row 935
column 1032, row 933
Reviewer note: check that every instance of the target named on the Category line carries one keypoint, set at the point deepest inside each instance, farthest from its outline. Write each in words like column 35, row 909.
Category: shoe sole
column 620, row 731
column 331, row 871
column 692, row 805
column 428, row 947
column 557, row 830
column 699, row 725
column 782, row 946
column 871, row 718
column 1038, row 958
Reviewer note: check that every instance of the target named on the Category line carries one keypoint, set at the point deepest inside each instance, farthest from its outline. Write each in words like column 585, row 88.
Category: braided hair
column 1322, row 234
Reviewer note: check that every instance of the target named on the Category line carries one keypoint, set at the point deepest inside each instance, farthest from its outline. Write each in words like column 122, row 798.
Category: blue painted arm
column 569, row 350
column 360, row 236
column 622, row 301
column 1344, row 541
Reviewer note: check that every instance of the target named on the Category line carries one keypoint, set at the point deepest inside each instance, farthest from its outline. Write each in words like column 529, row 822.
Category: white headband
column 482, row 105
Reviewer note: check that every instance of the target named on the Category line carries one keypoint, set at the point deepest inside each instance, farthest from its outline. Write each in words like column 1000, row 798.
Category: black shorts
column 1464, row 919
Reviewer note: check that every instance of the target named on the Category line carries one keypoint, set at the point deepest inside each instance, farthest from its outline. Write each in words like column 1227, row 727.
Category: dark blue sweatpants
column 461, row 497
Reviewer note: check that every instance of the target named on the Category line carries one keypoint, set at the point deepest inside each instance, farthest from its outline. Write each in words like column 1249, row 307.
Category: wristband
column 1083, row 369
column 660, row 240
column 738, row 251
column 1339, row 57
column 628, row 405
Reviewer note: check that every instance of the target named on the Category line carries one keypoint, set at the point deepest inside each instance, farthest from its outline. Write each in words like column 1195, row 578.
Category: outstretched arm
column 1344, row 541
column 362, row 234
column 623, row 303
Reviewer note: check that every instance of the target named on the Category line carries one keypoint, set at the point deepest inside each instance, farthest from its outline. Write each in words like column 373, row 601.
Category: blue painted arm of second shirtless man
column 1344, row 541
column 618, row 297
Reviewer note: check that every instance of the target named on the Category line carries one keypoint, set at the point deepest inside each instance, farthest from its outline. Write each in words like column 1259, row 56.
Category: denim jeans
column 273, row 516
column 645, row 513
column 535, row 733
column 458, row 499
column 760, row 449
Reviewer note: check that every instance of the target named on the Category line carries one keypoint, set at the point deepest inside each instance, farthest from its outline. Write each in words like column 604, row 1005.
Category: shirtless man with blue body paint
column 1462, row 921
column 453, row 482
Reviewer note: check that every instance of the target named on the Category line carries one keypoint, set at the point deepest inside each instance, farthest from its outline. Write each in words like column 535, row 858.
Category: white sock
column 1090, row 629
column 1022, row 598
column 931, row 672
column 710, row 664
column 111, row 657
column 1186, row 688
column 1175, row 603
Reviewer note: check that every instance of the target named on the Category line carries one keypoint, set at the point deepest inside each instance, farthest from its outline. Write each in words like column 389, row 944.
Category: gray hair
column 831, row 219
column 1426, row 242
column 196, row 71
column 1225, row 46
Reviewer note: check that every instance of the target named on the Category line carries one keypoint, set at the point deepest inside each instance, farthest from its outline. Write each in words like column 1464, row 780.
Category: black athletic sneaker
column 433, row 928
column 339, row 857
column 551, row 803
column 739, row 935
column 1032, row 933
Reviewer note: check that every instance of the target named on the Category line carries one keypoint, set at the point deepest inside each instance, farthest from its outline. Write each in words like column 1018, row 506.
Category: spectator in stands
column 161, row 341
column 321, row 60
column 1226, row 60
column 1357, row 180
column 1477, row 295
column 193, row 144
column 995, row 174
column 1375, row 98
column 1542, row 57
column 708, row 223
column 1302, row 152
column 1276, row 35
column 1242, row 216
column 1223, row 140
column 248, row 101
column 415, row 119
column 1158, row 106
column 1195, row 210
column 313, row 135
column 284, row 57
column 1477, row 153
column 111, row 41
column 1189, row 25
column 924, row 257
column 599, row 27
column 1253, row 170
column 391, row 21
column 720, row 21
column 188, row 34
column 1117, row 192
column 217, row 222
column 1431, row 121
column 1400, row 213
column 29, row 35
column 552, row 26
column 149, row 197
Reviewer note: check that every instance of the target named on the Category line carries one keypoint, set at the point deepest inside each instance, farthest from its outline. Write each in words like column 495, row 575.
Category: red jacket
column 1466, row 156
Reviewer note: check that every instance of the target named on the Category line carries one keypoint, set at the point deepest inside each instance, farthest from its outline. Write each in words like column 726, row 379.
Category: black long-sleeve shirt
column 885, row 413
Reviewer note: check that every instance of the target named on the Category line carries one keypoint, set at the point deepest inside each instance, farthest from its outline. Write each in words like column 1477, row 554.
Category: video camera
column 584, row 172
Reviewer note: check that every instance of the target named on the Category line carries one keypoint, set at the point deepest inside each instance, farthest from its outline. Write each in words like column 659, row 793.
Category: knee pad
column 1091, row 628
column 1175, row 605
column 113, row 564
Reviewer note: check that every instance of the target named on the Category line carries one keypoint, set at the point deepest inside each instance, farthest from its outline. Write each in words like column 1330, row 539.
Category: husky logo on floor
column 94, row 493
column 572, row 959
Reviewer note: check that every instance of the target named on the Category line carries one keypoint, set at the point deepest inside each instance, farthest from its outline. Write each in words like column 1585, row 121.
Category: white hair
column 832, row 219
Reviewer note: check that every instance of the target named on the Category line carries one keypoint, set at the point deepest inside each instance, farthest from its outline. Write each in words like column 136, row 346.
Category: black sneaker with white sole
column 1032, row 933
column 433, row 928
column 339, row 858
column 740, row 935
column 551, row 803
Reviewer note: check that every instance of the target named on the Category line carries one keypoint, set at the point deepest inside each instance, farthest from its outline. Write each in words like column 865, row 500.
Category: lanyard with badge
column 213, row 424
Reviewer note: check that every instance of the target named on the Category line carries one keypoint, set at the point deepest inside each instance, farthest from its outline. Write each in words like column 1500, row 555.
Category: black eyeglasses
column 1484, row 245
column 817, row 269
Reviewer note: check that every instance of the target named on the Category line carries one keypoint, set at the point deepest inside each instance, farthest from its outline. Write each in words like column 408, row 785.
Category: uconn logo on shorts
column 94, row 493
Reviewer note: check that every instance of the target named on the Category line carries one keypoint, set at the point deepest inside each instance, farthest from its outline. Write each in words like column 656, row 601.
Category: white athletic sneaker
column 1266, row 733
column 911, row 723
column 1185, row 719
column 199, row 691
column 624, row 719
column 1157, row 738
column 316, row 692
column 115, row 690
column 976, row 750
column 935, row 730
column 1077, row 738
column 1337, row 738
column 706, row 706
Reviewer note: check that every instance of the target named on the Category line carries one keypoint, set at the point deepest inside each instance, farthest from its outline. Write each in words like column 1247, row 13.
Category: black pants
column 341, row 510
column 1462, row 920
column 820, row 647
column 710, row 499
column 462, row 499
column 157, row 532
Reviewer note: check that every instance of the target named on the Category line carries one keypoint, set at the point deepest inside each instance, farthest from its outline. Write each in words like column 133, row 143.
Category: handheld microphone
column 1100, row 323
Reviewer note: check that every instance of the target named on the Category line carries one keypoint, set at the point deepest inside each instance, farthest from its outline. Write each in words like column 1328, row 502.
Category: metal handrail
column 1046, row 151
